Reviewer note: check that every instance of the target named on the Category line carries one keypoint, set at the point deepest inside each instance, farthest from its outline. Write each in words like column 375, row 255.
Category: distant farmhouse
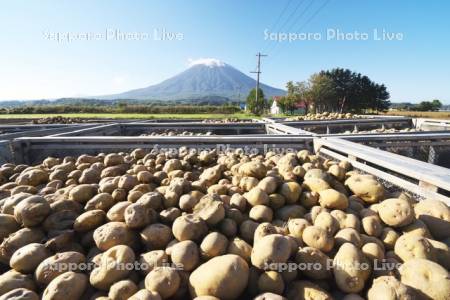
column 275, row 109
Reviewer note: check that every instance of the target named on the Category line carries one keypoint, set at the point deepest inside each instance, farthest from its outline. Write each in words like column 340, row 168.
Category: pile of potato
column 226, row 120
column 324, row 116
column 175, row 133
column 383, row 130
column 187, row 225
column 58, row 120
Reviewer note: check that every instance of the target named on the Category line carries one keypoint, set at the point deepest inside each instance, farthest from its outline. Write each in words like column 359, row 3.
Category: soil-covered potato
column 388, row 287
column 8, row 225
column 20, row 294
column 67, row 286
column 185, row 254
column 32, row 211
column 107, row 273
column 316, row 261
column 436, row 215
column 318, row 238
column 144, row 294
column 189, row 227
column 12, row 280
column 214, row 244
column 27, row 258
column 351, row 268
column 122, row 290
column 366, row 187
column 271, row 249
column 409, row 246
column 112, row 234
column 17, row 240
column 224, row 277
column 163, row 280
column 428, row 278
column 306, row 290
column 156, row 236
column 333, row 199
column 89, row 220
column 271, row 281
column 58, row 264
column 396, row 212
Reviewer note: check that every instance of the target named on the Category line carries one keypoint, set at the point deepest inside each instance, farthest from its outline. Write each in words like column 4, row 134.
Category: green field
column 131, row 116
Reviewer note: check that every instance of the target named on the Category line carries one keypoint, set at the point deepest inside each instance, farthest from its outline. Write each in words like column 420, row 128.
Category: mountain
column 204, row 78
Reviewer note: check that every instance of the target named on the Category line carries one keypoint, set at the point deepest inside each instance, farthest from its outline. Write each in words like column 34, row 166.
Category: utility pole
column 258, row 71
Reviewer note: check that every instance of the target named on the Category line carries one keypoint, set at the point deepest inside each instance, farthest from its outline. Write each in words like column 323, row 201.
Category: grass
column 421, row 114
column 130, row 116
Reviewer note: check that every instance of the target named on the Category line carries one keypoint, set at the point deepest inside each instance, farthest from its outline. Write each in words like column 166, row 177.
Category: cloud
column 210, row 62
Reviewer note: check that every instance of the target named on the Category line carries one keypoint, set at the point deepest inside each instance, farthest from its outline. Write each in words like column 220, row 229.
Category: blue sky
column 34, row 65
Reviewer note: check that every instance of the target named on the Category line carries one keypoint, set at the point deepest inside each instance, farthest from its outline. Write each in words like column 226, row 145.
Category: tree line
column 336, row 90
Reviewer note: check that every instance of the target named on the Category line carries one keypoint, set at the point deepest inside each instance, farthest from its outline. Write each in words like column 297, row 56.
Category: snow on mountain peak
column 210, row 62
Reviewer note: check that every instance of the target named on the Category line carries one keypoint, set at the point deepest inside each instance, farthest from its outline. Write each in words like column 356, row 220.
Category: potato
column 122, row 290
column 289, row 212
column 228, row 227
column 163, row 280
column 145, row 295
column 138, row 215
column 396, row 212
column 388, row 287
column 185, row 254
column 428, row 278
column 442, row 253
column 253, row 169
column 112, row 234
column 152, row 259
column 189, row 227
column 271, row 281
column 89, row 220
column 351, row 269
column 309, row 199
column 224, row 277
column 296, row 227
column 188, row 201
column 418, row 227
column 17, row 240
column 58, row 264
column 240, row 247
column 210, row 208
column 373, row 252
column 318, row 238
column 348, row 235
column 214, row 244
column 20, row 293
column 60, row 220
column 156, row 236
column 333, row 199
column 371, row 222
column 271, row 249
column 346, row 220
column 267, row 296
column 306, row 290
column 8, row 225
column 257, row 196
column 436, row 215
column 410, row 246
column 27, row 258
column 82, row 193
column 67, row 286
column 261, row 213
column 291, row 191
column 326, row 221
column 389, row 237
column 268, row 184
column 316, row 263
column 315, row 184
column 12, row 279
column 107, row 273
column 366, row 187
column 117, row 212
column 32, row 211
column 103, row 201
column 11, row 202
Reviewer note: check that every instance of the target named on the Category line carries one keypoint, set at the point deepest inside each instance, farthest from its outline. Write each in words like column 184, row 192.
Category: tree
column 434, row 105
column 322, row 93
column 437, row 105
column 256, row 106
